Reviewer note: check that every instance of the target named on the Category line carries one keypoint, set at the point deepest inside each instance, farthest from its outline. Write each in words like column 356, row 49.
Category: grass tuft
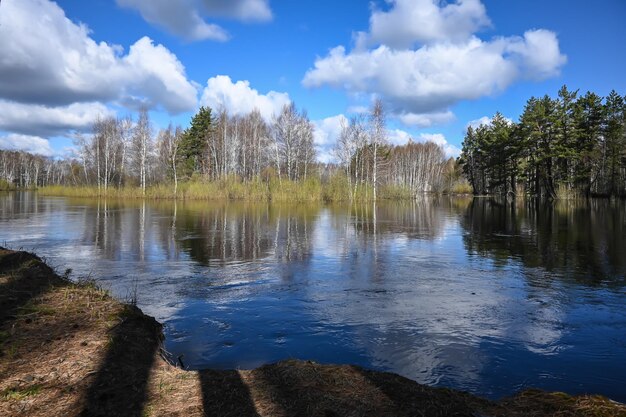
column 19, row 394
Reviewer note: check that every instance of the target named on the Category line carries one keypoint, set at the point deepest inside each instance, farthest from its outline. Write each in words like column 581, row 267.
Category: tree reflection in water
column 478, row 294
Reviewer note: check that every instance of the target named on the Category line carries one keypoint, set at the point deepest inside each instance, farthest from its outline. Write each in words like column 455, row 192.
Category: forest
column 569, row 146
column 235, row 151
column 564, row 147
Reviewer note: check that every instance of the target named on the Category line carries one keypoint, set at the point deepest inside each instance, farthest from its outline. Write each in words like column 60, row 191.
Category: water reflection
column 476, row 294
column 580, row 240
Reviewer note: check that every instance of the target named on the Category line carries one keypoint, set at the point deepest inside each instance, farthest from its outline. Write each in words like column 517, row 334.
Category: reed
column 6, row 186
column 336, row 188
column 461, row 187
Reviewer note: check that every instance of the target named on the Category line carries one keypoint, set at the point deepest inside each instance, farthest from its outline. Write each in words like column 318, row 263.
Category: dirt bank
column 70, row 349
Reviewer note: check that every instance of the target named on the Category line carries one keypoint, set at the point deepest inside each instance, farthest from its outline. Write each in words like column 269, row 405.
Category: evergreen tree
column 613, row 132
column 566, row 137
column 589, row 114
column 193, row 144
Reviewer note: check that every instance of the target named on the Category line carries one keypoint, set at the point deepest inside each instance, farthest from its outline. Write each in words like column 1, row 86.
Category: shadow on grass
column 225, row 394
column 24, row 277
column 410, row 398
column 120, row 385
column 301, row 388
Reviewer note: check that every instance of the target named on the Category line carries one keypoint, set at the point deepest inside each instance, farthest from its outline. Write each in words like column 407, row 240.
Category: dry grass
column 72, row 350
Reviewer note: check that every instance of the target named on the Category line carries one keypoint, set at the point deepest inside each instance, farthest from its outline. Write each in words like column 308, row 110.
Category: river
column 474, row 294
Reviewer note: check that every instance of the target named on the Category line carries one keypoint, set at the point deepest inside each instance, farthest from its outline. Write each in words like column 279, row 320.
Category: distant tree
column 589, row 116
column 615, row 145
column 378, row 137
column 168, row 144
column 193, row 144
column 142, row 145
column 293, row 143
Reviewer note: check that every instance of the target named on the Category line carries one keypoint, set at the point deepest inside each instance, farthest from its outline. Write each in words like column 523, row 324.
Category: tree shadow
column 225, row 394
column 25, row 277
column 121, row 383
column 409, row 398
column 302, row 388
column 119, row 387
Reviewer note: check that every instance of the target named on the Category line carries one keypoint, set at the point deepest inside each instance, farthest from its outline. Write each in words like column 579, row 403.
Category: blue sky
column 436, row 65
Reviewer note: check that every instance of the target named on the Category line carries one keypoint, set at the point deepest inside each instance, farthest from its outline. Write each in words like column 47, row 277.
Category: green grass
column 18, row 394
column 35, row 309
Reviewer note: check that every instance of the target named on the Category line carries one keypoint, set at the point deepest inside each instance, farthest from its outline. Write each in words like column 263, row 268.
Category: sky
column 438, row 66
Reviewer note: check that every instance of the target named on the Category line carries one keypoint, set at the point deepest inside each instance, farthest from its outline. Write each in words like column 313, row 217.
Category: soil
column 70, row 349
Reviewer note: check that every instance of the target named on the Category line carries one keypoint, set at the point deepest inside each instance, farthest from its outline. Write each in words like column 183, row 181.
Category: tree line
column 369, row 161
column 122, row 152
column 571, row 145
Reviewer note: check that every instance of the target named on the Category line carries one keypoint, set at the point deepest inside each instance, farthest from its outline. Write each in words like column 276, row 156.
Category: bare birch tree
column 142, row 144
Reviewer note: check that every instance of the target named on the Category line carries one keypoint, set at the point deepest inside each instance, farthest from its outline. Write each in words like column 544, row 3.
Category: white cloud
column 186, row 18
column 537, row 53
column 55, row 62
column 485, row 120
column 325, row 136
column 32, row 144
column 426, row 119
column 450, row 150
column 35, row 119
column 423, row 21
column 432, row 78
column 358, row 109
column 328, row 130
column 239, row 98
column 479, row 122
column 419, row 85
column 400, row 137
column 156, row 74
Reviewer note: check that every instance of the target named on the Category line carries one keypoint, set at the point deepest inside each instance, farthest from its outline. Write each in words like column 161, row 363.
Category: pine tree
column 193, row 144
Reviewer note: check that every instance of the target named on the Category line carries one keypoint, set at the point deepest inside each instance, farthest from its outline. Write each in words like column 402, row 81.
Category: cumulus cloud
column 325, row 136
column 398, row 137
column 239, row 98
column 426, row 119
column 401, row 137
column 423, row 21
column 420, row 84
column 40, row 120
column 32, row 144
column 55, row 62
column 186, row 18
column 450, row 150
column 485, row 120
column 328, row 130
column 479, row 122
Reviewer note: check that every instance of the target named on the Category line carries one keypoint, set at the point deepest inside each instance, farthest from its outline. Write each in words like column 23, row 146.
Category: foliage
column 224, row 156
column 5, row 185
column 563, row 147
column 194, row 141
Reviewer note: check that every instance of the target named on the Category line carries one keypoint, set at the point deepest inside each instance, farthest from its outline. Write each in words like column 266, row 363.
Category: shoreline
column 71, row 349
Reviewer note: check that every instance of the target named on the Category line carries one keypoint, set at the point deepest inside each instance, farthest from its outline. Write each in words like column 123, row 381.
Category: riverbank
column 69, row 349
column 335, row 189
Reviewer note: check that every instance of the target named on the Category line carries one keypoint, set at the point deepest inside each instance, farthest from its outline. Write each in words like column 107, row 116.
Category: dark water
column 471, row 294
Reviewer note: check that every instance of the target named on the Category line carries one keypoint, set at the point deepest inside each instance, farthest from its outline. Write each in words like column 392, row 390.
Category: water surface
column 473, row 294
